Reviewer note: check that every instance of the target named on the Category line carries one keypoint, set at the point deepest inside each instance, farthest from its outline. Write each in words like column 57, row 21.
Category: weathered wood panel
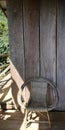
column 61, row 53
column 48, row 39
column 15, row 20
column 31, row 37
column 33, row 47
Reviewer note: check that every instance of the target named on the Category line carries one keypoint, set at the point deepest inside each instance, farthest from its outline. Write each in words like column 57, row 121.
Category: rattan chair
column 40, row 95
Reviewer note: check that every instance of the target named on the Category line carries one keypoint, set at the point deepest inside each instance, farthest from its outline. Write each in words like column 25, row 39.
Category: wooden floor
column 14, row 120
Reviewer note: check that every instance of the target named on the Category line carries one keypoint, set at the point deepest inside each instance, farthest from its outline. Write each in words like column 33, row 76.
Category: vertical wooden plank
column 31, row 37
column 15, row 18
column 48, row 39
column 61, row 53
column 16, row 34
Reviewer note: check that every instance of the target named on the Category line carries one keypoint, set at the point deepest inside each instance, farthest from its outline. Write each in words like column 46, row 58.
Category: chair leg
column 46, row 117
column 49, row 119
column 29, row 121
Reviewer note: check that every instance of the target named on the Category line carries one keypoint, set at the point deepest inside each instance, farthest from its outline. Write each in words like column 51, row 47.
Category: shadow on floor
column 15, row 120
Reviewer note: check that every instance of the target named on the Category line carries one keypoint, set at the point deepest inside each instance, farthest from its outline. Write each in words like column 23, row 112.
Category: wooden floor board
column 14, row 120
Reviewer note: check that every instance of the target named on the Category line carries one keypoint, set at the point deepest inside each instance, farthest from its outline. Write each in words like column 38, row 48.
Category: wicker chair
column 40, row 96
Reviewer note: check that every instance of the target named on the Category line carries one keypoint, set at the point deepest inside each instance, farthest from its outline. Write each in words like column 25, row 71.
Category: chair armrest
column 53, row 86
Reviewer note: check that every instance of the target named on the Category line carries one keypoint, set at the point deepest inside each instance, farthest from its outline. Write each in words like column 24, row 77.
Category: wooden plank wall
column 31, row 37
column 48, row 39
column 37, row 36
column 61, row 53
column 15, row 16
column 16, row 34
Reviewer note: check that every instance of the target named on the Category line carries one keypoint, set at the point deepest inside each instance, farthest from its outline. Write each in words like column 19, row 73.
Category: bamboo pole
column 4, row 72
column 4, row 55
column 3, row 66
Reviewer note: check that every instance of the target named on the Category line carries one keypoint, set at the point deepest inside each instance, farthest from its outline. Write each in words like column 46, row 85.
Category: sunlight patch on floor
column 31, row 126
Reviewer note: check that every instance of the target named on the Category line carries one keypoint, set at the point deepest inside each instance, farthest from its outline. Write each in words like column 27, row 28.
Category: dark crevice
column 39, row 45
column 23, row 37
column 56, row 40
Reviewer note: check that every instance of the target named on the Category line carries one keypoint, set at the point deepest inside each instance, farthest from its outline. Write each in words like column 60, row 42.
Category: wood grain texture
column 48, row 39
column 15, row 20
column 31, row 37
column 61, row 53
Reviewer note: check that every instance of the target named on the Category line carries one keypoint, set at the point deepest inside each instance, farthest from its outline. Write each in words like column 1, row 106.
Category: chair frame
column 46, row 110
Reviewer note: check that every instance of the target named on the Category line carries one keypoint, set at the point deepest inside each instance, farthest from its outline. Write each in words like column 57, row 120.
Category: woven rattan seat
column 40, row 95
